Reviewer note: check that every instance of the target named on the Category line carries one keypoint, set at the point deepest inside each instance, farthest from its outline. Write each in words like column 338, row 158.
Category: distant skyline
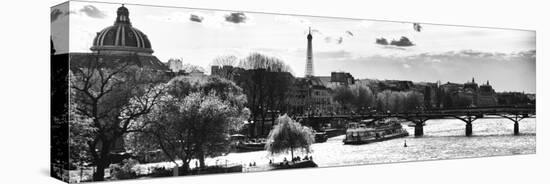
column 447, row 53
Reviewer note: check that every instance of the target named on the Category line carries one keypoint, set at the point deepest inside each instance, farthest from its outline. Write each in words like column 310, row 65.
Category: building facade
column 486, row 96
column 469, row 94
column 311, row 96
column 175, row 65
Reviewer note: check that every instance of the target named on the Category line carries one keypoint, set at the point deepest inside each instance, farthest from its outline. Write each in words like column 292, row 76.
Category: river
column 443, row 139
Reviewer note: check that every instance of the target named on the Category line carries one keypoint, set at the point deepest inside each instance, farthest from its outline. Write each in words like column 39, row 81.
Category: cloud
column 332, row 38
column 381, row 41
column 238, row 17
column 339, row 40
column 207, row 19
column 196, row 18
column 473, row 53
column 402, row 42
column 417, row 27
column 394, row 44
column 93, row 12
column 334, row 55
column 55, row 14
column 316, row 31
column 474, row 56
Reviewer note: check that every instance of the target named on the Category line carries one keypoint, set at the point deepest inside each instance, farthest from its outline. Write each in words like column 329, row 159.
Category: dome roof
column 122, row 37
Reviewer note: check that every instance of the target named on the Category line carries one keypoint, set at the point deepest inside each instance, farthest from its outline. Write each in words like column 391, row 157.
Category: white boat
column 374, row 131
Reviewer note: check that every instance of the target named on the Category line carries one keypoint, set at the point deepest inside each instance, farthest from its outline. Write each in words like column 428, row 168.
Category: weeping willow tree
column 289, row 135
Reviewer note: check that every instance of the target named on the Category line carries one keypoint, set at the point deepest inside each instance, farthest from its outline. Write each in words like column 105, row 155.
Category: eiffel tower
column 309, row 60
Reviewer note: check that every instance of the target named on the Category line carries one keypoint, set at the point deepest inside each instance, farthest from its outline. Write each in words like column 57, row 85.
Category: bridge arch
column 516, row 118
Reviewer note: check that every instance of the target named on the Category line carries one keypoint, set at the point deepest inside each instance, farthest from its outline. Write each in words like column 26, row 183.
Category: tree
column 363, row 98
column 289, row 135
column 413, row 101
column 344, row 96
column 189, row 68
column 396, row 101
column 195, row 117
column 356, row 98
column 383, row 100
column 226, row 67
column 227, row 60
column 112, row 95
column 266, row 82
column 260, row 61
column 81, row 131
column 399, row 101
column 428, row 97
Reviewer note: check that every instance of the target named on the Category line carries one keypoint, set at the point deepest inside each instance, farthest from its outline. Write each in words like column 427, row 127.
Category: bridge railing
column 493, row 110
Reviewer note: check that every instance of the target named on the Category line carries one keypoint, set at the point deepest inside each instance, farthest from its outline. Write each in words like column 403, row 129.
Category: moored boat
column 250, row 146
column 374, row 131
column 294, row 165
column 320, row 137
column 240, row 143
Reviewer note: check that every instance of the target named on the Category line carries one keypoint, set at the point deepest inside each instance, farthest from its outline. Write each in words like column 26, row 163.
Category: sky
column 506, row 58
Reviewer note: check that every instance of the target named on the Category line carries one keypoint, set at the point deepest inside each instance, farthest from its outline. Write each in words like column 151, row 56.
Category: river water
column 443, row 139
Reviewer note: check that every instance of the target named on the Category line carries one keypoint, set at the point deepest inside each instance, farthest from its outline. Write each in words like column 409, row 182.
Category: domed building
column 122, row 42
column 121, row 37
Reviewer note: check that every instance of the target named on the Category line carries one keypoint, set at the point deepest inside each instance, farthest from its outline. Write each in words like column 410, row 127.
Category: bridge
column 467, row 115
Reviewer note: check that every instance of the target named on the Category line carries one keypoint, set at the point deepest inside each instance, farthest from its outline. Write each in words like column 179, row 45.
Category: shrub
column 126, row 171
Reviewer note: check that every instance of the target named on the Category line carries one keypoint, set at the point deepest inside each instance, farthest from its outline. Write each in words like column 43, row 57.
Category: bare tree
column 260, row 61
column 189, row 68
column 266, row 81
column 226, row 60
column 112, row 94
